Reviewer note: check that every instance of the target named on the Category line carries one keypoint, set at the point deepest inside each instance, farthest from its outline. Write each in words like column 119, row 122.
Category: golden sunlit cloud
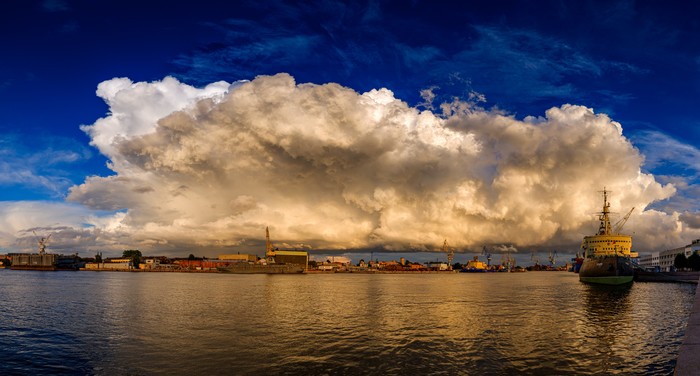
column 328, row 168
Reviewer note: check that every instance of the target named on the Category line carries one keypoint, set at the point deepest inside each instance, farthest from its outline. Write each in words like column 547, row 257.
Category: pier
column 688, row 362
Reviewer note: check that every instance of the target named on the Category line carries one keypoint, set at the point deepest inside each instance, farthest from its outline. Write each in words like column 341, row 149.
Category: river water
column 533, row 323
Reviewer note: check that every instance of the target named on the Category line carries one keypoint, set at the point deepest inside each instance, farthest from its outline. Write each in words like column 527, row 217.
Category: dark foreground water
column 537, row 323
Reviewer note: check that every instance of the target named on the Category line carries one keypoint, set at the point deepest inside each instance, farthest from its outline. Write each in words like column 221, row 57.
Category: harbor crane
column 552, row 258
column 618, row 225
column 485, row 252
column 42, row 242
column 450, row 254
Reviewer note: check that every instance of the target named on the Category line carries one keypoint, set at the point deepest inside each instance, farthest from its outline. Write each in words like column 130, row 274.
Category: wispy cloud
column 660, row 149
column 46, row 169
column 520, row 65
column 54, row 6
column 673, row 162
column 74, row 228
column 515, row 65
column 234, row 60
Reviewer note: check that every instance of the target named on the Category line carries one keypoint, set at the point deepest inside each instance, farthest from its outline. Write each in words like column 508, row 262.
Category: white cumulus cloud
column 328, row 168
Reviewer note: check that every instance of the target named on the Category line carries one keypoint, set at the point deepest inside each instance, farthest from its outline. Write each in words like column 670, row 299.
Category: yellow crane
column 618, row 225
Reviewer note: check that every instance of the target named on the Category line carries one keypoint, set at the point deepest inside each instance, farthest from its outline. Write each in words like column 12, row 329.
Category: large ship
column 607, row 255
column 260, row 268
column 474, row 266
column 275, row 262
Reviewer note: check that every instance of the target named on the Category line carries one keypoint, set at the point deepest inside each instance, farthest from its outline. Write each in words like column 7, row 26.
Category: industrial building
column 291, row 257
column 663, row 261
column 111, row 264
column 239, row 257
column 34, row 261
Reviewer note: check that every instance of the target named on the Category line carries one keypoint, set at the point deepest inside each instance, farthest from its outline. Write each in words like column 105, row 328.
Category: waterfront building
column 111, row 264
column 239, row 257
column 157, row 263
column 203, row 263
column 291, row 257
column 663, row 261
column 150, row 263
column 327, row 268
column 649, row 261
column 436, row 265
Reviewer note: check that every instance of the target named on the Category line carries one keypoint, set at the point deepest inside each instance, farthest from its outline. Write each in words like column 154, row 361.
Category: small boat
column 607, row 255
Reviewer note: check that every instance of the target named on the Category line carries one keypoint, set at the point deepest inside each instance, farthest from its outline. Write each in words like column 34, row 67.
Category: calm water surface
column 534, row 323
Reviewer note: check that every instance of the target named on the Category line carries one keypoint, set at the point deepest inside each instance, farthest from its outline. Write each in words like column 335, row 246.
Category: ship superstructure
column 608, row 253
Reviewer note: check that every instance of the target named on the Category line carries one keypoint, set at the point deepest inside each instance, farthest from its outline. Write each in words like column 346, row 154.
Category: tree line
column 683, row 263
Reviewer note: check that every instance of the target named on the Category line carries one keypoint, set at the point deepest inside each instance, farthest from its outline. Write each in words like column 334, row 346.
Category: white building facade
column 663, row 261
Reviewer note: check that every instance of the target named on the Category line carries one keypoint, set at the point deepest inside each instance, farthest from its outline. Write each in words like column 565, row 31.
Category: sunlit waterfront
column 488, row 323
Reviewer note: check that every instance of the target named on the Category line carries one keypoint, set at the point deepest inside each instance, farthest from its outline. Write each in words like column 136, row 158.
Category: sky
column 348, row 128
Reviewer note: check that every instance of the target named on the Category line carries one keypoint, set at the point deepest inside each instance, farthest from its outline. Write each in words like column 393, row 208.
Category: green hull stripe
column 612, row 280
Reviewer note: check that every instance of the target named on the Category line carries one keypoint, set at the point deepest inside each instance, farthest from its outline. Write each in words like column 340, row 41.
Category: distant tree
column 457, row 266
column 680, row 262
column 134, row 255
column 191, row 257
column 98, row 257
column 694, row 262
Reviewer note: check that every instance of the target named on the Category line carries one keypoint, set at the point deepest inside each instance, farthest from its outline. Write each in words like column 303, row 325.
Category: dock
column 677, row 277
column 688, row 361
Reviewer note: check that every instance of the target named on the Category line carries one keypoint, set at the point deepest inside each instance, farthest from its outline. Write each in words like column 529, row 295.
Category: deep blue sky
column 639, row 62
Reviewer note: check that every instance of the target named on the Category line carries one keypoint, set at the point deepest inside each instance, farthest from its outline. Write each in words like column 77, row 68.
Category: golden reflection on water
column 608, row 325
column 488, row 323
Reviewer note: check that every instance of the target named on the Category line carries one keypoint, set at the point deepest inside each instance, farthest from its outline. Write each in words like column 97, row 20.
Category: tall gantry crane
column 450, row 254
column 42, row 242
column 485, row 251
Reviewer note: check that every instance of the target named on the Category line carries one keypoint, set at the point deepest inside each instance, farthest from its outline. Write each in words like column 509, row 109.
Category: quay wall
column 688, row 361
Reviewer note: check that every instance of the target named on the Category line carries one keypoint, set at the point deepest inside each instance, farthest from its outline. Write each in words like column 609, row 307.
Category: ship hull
column 244, row 268
column 607, row 270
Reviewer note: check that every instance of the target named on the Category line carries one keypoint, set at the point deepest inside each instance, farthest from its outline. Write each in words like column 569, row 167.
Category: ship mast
column 604, row 217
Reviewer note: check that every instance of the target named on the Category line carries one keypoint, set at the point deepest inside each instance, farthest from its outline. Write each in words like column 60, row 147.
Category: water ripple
column 442, row 324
